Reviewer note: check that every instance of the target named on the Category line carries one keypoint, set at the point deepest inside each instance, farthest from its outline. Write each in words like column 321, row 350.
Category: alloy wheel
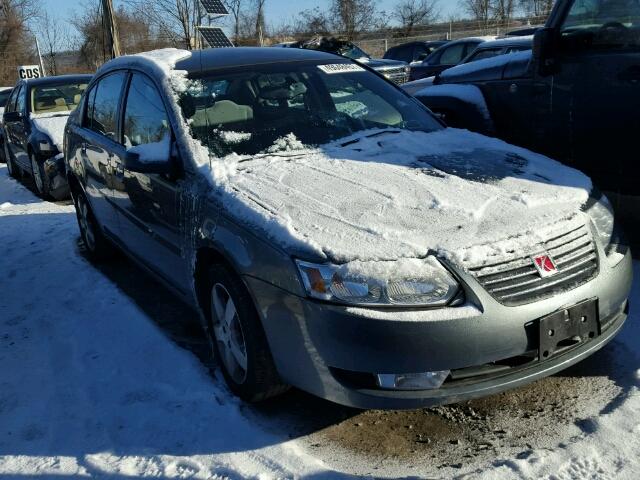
column 37, row 175
column 229, row 335
column 86, row 227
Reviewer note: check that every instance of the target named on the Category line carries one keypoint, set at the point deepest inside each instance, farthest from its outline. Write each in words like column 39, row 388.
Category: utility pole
column 111, row 28
column 43, row 73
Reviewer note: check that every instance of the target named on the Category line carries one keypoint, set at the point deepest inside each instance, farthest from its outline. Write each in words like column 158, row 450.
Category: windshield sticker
column 341, row 68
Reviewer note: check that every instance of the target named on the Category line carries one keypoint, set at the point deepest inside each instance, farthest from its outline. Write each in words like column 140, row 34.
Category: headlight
column 601, row 213
column 406, row 283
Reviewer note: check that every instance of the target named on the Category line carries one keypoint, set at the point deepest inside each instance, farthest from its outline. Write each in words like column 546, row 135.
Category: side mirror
column 134, row 162
column 12, row 116
column 545, row 51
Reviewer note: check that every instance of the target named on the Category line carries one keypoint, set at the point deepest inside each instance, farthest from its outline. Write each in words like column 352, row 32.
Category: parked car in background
column 335, row 235
column 34, row 120
column 522, row 32
column 446, row 57
column 490, row 49
column 394, row 70
column 4, row 96
column 413, row 52
column 575, row 97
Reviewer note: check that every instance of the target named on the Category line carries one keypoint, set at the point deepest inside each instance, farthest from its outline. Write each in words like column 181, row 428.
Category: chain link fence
column 377, row 45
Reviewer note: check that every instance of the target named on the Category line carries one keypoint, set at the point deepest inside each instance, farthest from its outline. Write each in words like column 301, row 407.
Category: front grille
column 517, row 281
column 396, row 75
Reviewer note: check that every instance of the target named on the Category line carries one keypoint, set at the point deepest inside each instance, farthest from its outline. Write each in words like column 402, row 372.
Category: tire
column 13, row 170
column 239, row 342
column 96, row 245
column 40, row 179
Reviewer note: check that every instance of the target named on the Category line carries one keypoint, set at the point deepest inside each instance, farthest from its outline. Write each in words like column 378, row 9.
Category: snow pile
column 155, row 151
column 400, row 194
column 52, row 125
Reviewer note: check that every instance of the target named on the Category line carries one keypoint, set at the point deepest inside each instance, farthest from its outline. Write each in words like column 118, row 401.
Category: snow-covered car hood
column 52, row 125
column 400, row 194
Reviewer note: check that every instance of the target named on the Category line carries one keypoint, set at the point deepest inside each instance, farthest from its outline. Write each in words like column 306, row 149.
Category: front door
column 148, row 204
column 98, row 144
column 17, row 131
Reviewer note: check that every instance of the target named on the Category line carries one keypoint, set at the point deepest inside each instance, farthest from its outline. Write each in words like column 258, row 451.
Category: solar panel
column 214, row 7
column 215, row 37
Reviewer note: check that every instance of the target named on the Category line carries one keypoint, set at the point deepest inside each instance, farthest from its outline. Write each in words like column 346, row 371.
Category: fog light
column 412, row 381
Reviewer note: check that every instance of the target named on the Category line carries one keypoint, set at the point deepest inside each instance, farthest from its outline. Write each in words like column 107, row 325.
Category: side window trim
column 125, row 97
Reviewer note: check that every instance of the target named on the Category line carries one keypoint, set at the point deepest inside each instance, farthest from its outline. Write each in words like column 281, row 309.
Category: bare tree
column 176, row 18
column 413, row 13
column 15, row 39
column 235, row 8
column 352, row 17
column 537, row 8
column 313, row 22
column 503, row 10
column 260, row 23
column 478, row 9
column 54, row 38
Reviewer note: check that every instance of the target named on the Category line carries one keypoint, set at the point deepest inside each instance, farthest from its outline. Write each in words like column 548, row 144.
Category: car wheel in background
column 12, row 169
column 240, row 344
column 97, row 246
column 39, row 177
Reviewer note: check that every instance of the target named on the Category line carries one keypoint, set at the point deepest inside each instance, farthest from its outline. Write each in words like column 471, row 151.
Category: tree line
column 150, row 24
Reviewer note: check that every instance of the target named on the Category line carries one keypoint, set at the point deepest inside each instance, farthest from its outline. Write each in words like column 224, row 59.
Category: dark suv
column 575, row 97
column 334, row 235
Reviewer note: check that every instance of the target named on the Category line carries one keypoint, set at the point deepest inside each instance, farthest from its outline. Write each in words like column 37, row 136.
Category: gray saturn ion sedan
column 334, row 235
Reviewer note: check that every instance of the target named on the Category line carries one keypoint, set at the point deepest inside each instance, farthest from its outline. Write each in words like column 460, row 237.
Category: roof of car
column 420, row 42
column 217, row 58
column 509, row 42
column 57, row 79
column 473, row 39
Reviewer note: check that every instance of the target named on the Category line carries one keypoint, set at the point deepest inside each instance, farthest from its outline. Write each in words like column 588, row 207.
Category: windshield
column 266, row 108
column 349, row 50
column 4, row 96
column 63, row 97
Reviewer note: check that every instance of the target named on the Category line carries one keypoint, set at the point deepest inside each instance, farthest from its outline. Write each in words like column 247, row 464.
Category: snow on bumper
column 330, row 350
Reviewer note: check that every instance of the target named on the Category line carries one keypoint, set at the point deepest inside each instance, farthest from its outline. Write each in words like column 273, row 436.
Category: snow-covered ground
column 90, row 385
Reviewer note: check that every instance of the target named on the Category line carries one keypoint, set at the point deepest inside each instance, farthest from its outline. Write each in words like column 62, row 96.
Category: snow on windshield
column 387, row 194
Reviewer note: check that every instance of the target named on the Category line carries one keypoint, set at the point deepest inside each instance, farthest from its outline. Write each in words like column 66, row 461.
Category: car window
column 452, row 55
column 4, row 97
column 101, row 114
column 603, row 24
column 11, row 103
column 401, row 53
column 420, row 52
column 20, row 100
column 62, row 97
column 484, row 53
column 145, row 118
column 286, row 106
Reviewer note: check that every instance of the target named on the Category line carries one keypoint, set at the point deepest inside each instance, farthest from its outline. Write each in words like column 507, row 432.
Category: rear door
column 148, row 204
column 17, row 130
column 99, row 143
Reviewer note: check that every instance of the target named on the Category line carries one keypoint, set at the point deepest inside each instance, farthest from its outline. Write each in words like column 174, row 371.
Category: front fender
column 461, row 106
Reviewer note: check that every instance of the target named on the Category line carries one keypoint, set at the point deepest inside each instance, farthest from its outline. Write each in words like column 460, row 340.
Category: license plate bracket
column 568, row 328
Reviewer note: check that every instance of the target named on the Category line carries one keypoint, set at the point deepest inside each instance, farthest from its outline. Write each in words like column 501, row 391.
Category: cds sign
column 27, row 72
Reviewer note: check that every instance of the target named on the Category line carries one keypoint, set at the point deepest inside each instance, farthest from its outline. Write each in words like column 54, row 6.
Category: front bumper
column 56, row 172
column 314, row 343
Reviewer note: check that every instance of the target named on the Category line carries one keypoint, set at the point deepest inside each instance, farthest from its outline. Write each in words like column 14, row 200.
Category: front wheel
column 239, row 341
column 39, row 177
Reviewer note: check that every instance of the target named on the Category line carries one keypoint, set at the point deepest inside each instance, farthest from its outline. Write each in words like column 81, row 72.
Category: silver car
column 335, row 236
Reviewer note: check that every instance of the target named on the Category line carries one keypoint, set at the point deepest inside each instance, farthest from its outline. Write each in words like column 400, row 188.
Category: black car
column 4, row 96
column 394, row 70
column 575, row 97
column 33, row 124
column 446, row 57
column 413, row 51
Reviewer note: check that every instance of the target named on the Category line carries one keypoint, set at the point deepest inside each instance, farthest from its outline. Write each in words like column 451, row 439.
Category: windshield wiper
column 373, row 135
